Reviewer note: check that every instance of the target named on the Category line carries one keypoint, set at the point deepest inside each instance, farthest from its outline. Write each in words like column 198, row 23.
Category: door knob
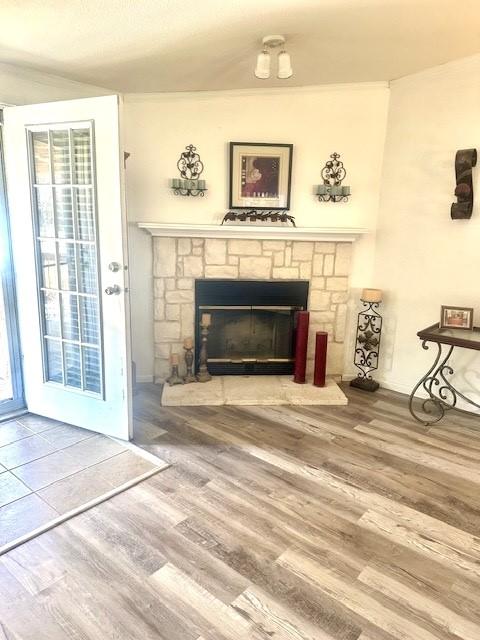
column 113, row 291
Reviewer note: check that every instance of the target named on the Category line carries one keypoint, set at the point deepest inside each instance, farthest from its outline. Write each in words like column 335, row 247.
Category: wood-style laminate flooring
column 273, row 523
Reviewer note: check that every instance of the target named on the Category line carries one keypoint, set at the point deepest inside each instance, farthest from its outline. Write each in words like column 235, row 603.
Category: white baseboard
column 386, row 384
column 142, row 379
column 396, row 386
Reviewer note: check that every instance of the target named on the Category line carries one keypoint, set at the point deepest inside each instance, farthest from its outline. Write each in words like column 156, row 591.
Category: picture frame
column 456, row 317
column 260, row 175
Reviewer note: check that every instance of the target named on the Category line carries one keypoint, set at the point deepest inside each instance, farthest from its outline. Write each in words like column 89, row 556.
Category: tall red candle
column 321, row 341
column 303, row 319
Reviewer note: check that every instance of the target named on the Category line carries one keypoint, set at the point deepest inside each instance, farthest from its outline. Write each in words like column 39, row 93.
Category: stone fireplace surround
column 178, row 261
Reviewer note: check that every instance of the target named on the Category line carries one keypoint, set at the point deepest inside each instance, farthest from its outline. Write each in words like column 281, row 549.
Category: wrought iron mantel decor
column 258, row 216
column 190, row 167
column 437, row 384
column 367, row 347
column 333, row 173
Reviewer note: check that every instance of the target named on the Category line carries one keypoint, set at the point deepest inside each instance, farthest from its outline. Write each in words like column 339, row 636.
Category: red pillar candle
column 321, row 340
column 301, row 342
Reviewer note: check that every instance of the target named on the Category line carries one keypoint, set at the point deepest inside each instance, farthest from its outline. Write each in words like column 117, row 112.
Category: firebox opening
column 252, row 327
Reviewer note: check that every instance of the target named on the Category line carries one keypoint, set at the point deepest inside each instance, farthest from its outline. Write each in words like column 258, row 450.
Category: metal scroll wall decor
column 333, row 173
column 367, row 347
column 190, row 167
column 465, row 160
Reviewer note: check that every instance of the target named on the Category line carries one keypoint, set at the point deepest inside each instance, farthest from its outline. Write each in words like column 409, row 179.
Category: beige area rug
column 252, row 390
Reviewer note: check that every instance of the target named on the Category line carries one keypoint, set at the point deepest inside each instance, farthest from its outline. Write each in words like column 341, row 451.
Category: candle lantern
column 188, row 348
column 333, row 173
column 367, row 347
column 174, row 377
column 203, row 374
column 190, row 167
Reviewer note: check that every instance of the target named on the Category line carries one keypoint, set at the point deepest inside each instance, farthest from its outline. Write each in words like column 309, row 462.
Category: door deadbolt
column 114, row 266
column 113, row 291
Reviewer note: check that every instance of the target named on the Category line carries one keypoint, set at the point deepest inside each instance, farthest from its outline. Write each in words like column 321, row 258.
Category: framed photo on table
column 260, row 175
column 456, row 318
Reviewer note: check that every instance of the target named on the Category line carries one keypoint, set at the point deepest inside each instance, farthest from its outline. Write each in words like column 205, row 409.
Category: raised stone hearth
column 178, row 261
column 252, row 391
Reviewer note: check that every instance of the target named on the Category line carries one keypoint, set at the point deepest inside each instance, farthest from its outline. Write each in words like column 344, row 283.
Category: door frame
column 17, row 403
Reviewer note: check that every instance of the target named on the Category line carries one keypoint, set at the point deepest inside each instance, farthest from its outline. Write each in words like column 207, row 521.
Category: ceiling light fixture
column 262, row 70
column 284, row 65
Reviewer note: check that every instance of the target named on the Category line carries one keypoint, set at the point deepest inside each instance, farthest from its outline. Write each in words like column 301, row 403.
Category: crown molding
column 255, row 91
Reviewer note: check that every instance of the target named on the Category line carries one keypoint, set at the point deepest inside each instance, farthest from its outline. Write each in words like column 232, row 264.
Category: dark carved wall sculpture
column 465, row 159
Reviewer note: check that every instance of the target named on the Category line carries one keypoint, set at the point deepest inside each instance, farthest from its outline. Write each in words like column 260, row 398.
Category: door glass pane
column 89, row 320
column 85, row 213
column 71, row 329
column 67, row 266
column 61, row 157
column 53, row 352
column 92, row 368
column 88, row 268
column 43, row 196
column 52, row 314
column 73, row 371
column 64, row 212
column 48, row 264
column 82, row 157
column 41, row 162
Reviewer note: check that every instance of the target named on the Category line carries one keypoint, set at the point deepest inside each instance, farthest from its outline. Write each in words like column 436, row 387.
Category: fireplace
column 252, row 327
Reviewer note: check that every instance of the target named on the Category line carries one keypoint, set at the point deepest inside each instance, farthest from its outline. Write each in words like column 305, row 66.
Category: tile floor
column 48, row 468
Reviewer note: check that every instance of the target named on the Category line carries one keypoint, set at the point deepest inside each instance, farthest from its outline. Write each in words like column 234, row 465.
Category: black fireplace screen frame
column 253, row 294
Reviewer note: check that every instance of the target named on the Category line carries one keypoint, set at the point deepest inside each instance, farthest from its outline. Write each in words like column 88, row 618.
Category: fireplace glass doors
column 252, row 328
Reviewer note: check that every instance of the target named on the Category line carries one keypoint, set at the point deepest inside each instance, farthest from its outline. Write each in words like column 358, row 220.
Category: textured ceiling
column 182, row 45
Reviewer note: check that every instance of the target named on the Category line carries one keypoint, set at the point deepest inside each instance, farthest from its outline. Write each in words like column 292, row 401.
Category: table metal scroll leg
column 441, row 395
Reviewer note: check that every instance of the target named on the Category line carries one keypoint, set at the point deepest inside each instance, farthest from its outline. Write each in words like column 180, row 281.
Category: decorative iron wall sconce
column 367, row 347
column 465, row 160
column 333, row 174
column 190, row 167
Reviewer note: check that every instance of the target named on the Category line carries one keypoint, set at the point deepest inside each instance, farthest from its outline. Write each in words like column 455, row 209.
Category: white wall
column 424, row 259
column 25, row 86
column 349, row 119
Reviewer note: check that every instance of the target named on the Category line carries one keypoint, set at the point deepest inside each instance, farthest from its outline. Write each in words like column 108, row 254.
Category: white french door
column 65, row 185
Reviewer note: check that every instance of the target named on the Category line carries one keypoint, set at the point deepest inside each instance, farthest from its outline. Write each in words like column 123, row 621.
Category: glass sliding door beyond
column 11, row 387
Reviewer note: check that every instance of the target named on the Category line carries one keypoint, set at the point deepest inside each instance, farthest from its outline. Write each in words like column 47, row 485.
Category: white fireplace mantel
column 252, row 231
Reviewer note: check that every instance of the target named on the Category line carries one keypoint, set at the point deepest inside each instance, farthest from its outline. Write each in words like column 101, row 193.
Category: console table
column 442, row 395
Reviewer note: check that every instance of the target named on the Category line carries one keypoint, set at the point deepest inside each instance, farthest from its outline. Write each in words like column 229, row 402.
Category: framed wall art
column 260, row 175
column 456, row 317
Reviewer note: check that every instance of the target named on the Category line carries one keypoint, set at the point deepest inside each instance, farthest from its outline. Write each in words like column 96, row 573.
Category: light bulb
column 262, row 70
column 284, row 65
